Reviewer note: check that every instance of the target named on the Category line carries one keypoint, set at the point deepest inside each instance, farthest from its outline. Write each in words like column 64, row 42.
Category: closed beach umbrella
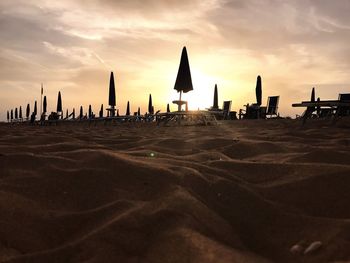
column 313, row 97
column 73, row 113
column 90, row 112
column 35, row 109
column 138, row 112
column 111, row 98
column 101, row 111
column 27, row 111
column 168, row 108
column 16, row 114
column 258, row 91
column 183, row 81
column 59, row 102
column 216, row 102
column 45, row 105
column 128, row 109
column 117, row 113
column 20, row 112
column 81, row 112
column 11, row 114
column 8, row 116
column 150, row 106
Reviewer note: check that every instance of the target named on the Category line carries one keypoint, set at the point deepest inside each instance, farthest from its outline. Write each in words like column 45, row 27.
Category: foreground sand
column 243, row 191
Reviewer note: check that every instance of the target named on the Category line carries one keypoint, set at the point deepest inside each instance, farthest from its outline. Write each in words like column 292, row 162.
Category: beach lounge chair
column 343, row 110
column 272, row 106
column 226, row 109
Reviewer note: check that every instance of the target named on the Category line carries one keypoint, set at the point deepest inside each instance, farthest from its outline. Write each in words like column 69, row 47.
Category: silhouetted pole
column 101, row 111
column 45, row 105
column 41, row 98
column 8, row 116
column 168, row 108
column 27, row 111
column 258, row 91
column 313, row 96
column 67, row 114
column 73, row 113
column 318, row 108
column 16, row 114
column 150, row 105
column 35, row 109
column 118, row 113
column 90, row 112
column 81, row 112
column 215, row 103
column 20, row 113
column 128, row 109
column 138, row 111
column 111, row 98
column 11, row 115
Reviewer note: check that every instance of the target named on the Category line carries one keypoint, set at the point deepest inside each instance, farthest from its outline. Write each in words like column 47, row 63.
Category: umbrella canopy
column 183, row 80
column 313, row 97
column 111, row 98
column 168, row 108
column 258, row 91
column 27, row 111
column 216, row 102
column 138, row 112
column 128, row 109
column 16, row 113
column 11, row 114
column 101, row 111
column 150, row 105
column 45, row 105
column 20, row 112
column 90, row 112
column 35, row 109
column 81, row 112
column 8, row 115
column 59, row 102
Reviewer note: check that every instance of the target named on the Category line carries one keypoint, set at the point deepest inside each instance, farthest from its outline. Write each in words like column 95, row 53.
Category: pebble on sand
column 313, row 247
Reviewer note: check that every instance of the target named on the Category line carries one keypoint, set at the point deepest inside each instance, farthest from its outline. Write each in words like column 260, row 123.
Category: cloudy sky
column 72, row 45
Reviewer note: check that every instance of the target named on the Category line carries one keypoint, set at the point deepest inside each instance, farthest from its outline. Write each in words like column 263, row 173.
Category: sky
column 72, row 46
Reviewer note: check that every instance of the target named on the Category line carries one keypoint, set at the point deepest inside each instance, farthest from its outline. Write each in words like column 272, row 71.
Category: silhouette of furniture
column 179, row 104
column 255, row 111
column 326, row 108
column 272, row 106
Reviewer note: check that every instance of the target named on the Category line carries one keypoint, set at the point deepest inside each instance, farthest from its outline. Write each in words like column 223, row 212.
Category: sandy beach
column 241, row 191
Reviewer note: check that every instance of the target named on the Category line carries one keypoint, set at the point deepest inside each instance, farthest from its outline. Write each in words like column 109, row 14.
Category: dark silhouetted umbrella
column 59, row 102
column 45, row 105
column 313, row 97
column 90, row 112
column 11, row 114
column 138, row 112
column 8, row 116
column 117, row 113
column 128, row 109
column 16, row 114
column 73, row 113
column 27, row 111
column 35, row 109
column 258, row 91
column 111, row 98
column 20, row 112
column 216, row 102
column 81, row 112
column 67, row 114
column 168, row 108
column 183, row 81
column 150, row 106
column 318, row 108
column 101, row 111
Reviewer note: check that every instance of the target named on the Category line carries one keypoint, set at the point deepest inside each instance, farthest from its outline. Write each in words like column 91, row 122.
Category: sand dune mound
column 236, row 192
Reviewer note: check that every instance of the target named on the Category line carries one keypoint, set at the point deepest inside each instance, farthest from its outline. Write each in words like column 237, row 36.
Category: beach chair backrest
column 272, row 105
column 226, row 108
column 344, row 97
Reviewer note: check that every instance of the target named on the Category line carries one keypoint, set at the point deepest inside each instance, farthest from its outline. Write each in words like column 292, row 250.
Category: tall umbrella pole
column 41, row 100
